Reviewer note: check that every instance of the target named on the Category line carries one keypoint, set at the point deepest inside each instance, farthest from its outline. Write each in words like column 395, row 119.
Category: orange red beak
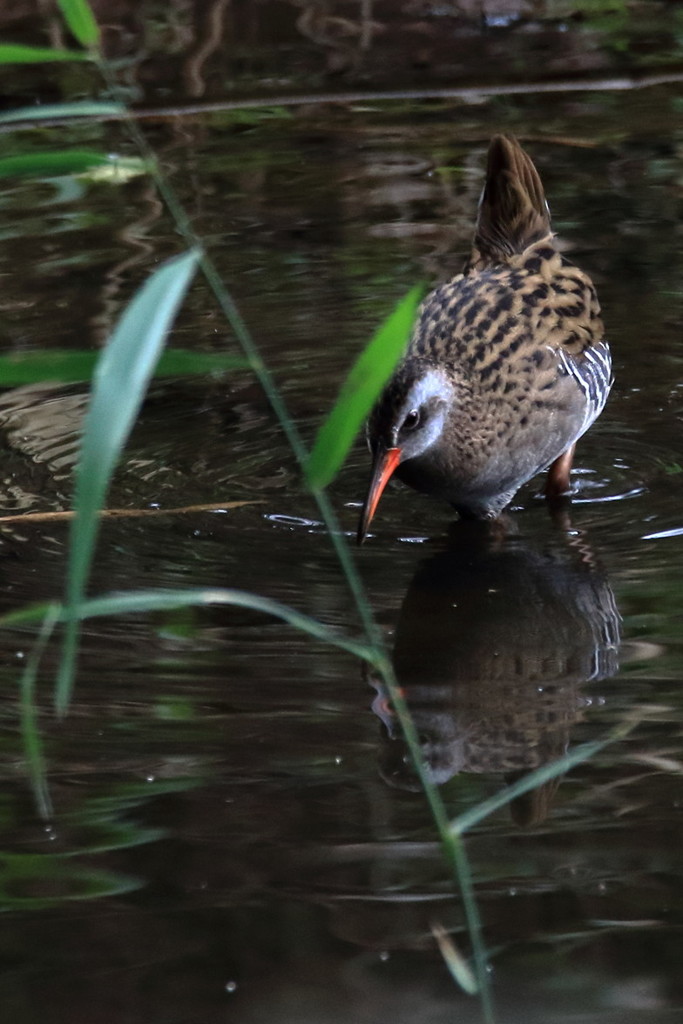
column 386, row 461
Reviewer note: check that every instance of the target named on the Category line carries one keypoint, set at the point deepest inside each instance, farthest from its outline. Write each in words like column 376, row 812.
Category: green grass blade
column 64, row 366
column 81, row 21
column 29, row 716
column 14, row 54
column 50, row 164
column 62, row 112
column 538, row 777
column 360, row 390
column 453, row 844
column 121, row 379
column 459, row 969
column 144, row 601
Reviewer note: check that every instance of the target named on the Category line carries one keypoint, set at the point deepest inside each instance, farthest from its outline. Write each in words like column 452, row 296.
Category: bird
column 507, row 365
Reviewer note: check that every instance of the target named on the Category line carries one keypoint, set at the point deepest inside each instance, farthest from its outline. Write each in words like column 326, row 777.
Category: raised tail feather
column 513, row 213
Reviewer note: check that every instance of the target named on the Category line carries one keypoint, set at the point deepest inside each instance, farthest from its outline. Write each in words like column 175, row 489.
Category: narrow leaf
column 539, row 777
column 145, row 601
column 65, row 366
column 360, row 390
column 30, row 731
column 62, row 112
column 121, row 379
column 81, row 21
column 51, row 164
column 458, row 967
column 14, row 54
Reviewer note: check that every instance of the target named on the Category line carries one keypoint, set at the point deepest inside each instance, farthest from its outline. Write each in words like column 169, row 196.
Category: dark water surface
column 236, row 833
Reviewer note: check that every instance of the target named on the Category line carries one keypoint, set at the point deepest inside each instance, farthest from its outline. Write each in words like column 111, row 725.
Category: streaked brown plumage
column 507, row 366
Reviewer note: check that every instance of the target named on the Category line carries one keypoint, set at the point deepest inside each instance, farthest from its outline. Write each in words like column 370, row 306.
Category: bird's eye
column 412, row 419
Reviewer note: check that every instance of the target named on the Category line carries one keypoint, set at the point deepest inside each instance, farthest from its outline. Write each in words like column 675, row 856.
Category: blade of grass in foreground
column 453, row 844
column 61, row 112
column 359, row 391
column 29, row 719
column 145, row 601
column 11, row 53
column 121, row 379
column 464, row 822
column 64, row 161
column 458, row 967
column 81, row 21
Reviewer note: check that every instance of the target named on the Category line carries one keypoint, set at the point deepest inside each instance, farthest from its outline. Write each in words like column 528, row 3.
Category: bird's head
column 407, row 420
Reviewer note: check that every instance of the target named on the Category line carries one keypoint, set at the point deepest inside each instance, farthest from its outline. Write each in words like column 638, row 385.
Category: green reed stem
column 256, row 363
column 453, row 844
column 85, row 29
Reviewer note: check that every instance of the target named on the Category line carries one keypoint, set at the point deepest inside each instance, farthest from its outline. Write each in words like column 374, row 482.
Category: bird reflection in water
column 494, row 639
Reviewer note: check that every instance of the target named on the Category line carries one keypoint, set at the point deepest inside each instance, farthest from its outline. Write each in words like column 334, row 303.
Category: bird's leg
column 499, row 530
column 557, row 482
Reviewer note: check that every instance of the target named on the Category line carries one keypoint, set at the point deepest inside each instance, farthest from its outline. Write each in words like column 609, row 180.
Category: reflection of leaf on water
column 72, row 366
column 610, row 17
column 246, row 116
column 127, row 795
column 33, row 881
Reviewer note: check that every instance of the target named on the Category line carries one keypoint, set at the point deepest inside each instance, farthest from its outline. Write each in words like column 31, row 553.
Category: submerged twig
column 125, row 513
column 613, row 83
